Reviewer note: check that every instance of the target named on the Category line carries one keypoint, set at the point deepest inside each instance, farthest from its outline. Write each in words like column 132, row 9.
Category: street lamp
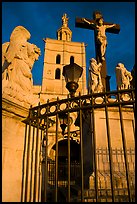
column 72, row 73
column 63, row 118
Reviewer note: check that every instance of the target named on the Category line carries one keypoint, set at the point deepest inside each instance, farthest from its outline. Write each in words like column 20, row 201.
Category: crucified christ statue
column 100, row 30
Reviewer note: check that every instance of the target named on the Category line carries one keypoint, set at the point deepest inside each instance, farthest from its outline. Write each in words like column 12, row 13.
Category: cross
column 100, row 55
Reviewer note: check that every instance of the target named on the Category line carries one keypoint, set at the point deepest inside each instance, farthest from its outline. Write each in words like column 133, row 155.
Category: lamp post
column 63, row 117
column 72, row 73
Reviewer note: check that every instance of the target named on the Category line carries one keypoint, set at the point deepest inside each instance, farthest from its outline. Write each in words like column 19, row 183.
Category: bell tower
column 58, row 53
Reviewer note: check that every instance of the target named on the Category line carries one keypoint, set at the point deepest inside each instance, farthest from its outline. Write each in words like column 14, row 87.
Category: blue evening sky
column 43, row 19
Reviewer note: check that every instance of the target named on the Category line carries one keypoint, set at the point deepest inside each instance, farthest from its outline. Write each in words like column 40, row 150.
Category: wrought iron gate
column 101, row 174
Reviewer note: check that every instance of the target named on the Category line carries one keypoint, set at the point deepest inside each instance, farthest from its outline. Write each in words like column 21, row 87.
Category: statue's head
column 20, row 33
column 98, row 17
column 120, row 65
column 100, row 21
column 92, row 60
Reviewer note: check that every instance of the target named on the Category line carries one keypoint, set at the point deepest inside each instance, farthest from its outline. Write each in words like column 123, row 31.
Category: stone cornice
column 12, row 109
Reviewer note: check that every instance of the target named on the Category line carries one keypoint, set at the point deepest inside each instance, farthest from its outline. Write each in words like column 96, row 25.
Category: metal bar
column 40, row 170
column 46, row 162
column 125, row 152
column 68, row 200
column 39, row 164
column 133, row 96
column 56, row 162
column 94, row 151
column 110, row 154
column 43, row 169
column 31, row 164
column 23, row 164
column 81, row 147
column 36, row 162
column 28, row 161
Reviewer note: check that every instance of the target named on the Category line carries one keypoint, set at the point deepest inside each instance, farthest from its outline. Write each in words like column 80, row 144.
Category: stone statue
column 95, row 76
column 123, row 77
column 100, row 29
column 18, row 57
column 132, row 82
column 65, row 20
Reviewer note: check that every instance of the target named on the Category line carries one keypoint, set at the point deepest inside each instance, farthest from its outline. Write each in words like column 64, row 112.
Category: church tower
column 59, row 53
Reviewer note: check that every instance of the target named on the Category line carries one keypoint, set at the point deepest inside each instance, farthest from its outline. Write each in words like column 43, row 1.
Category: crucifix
column 100, row 28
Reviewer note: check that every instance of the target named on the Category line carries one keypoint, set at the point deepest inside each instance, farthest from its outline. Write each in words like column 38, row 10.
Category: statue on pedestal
column 18, row 57
column 95, row 76
column 123, row 77
column 65, row 20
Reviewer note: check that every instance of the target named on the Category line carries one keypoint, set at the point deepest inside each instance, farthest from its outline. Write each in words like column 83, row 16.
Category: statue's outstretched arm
column 110, row 26
column 85, row 20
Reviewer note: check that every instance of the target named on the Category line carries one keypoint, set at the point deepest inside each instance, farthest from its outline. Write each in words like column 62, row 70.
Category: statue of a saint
column 18, row 59
column 100, row 29
column 65, row 20
column 123, row 77
column 95, row 76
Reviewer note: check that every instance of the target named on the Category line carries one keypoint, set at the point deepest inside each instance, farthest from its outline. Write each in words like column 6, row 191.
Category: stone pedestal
column 12, row 149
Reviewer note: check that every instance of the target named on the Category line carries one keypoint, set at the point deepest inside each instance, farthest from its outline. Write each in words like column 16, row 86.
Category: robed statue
column 123, row 77
column 95, row 82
